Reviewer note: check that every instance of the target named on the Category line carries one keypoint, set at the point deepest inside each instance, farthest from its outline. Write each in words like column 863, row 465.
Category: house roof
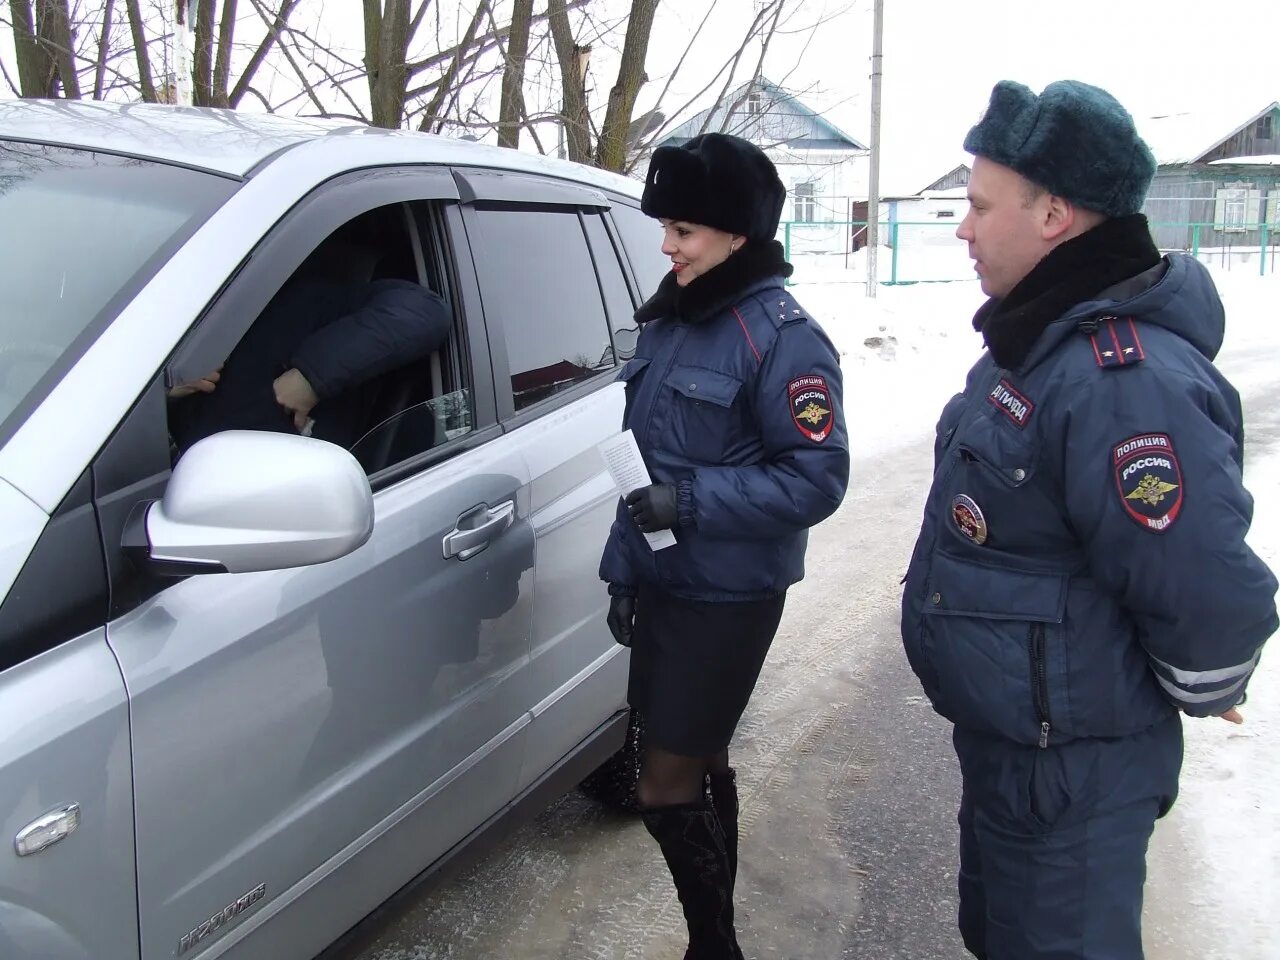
column 785, row 120
column 1181, row 138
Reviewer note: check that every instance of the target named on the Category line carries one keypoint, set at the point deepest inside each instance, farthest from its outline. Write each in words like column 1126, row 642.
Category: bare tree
column 388, row 29
column 573, row 58
column 43, row 44
column 511, row 108
column 611, row 150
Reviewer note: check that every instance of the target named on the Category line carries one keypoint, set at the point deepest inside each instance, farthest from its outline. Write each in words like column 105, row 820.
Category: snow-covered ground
column 904, row 354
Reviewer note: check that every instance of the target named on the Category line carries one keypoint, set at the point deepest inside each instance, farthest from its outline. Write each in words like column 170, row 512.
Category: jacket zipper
column 1040, row 682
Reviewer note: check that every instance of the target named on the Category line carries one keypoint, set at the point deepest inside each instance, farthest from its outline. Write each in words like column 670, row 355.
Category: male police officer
column 1081, row 573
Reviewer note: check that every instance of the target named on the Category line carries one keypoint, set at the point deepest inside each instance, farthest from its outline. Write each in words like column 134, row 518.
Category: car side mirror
column 242, row 501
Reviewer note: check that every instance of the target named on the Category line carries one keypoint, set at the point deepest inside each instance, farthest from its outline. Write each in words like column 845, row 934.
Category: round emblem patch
column 969, row 519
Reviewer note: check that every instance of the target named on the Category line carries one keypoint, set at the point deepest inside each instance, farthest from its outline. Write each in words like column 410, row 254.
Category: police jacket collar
column 1077, row 271
column 718, row 288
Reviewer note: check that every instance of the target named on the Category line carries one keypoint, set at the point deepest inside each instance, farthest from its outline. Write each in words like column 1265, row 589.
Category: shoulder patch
column 1011, row 403
column 810, row 403
column 1115, row 342
column 1149, row 480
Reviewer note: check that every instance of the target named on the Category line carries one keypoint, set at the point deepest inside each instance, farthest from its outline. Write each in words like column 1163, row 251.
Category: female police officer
column 734, row 397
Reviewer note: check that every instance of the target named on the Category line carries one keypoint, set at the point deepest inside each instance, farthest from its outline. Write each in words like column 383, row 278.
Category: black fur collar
column 719, row 287
column 1072, row 273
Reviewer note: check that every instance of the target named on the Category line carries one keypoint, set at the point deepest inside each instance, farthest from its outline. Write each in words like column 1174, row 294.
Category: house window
column 755, row 102
column 1231, row 211
column 803, row 212
column 1264, row 128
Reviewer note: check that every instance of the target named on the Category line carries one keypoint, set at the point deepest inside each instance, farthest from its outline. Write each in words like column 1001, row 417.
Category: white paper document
column 626, row 466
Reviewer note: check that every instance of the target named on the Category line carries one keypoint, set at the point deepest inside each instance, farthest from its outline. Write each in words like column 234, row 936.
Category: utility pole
column 873, row 184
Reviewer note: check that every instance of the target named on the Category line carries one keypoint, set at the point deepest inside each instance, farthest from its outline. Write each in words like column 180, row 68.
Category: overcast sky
column 941, row 59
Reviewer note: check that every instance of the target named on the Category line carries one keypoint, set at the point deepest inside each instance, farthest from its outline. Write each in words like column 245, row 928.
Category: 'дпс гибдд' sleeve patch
column 1149, row 480
column 810, row 403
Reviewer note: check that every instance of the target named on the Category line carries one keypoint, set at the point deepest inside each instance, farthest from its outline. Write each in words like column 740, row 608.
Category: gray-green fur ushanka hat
column 1075, row 140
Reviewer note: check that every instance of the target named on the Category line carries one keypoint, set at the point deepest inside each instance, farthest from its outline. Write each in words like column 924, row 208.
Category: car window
column 642, row 238
column 613, row 284
column 352, row 349
column 79, row 231
column 537, row 275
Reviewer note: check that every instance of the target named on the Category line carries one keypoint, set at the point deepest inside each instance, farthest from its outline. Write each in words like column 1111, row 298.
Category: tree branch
column 447, row 81
column 260, row 54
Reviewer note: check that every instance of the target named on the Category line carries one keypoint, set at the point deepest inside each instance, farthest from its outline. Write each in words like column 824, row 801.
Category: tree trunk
column 611, row 152
column 386, row 46
column 202, row 61
column 104, row 50
column 573, row 73
column 138, row 30
column 222, row 66
column 55, row 33
column 35, row 66
column 511, row 108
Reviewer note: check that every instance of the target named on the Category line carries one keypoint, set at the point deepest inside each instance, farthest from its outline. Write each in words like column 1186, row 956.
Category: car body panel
column 66, row 740
column 579, row 673
column 23, row 522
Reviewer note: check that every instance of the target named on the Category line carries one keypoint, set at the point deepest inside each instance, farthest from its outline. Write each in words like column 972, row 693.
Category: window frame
column 280, row 252
column 524, row 191
column 804, row 205
column 1231, row 207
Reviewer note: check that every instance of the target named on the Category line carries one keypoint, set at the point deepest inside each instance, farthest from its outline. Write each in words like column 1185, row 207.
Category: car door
column 305, row 741
column 543, row 286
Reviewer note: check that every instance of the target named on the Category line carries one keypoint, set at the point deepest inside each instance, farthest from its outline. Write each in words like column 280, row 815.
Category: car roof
column 234, row 143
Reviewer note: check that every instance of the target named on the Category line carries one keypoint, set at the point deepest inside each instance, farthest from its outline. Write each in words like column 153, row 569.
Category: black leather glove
column 622, row 619
column 654, row 507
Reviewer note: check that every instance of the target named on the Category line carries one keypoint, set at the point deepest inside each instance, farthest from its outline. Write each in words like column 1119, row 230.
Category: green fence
column 927, row 251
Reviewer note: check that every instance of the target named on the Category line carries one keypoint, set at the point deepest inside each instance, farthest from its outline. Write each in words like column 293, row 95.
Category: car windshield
column 80, row 232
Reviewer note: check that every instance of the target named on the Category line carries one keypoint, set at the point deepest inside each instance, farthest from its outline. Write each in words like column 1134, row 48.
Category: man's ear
column 1058, row 217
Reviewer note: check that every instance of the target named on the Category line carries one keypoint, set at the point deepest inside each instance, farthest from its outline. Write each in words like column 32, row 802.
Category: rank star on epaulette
column 810, row 406
column 1149, row 480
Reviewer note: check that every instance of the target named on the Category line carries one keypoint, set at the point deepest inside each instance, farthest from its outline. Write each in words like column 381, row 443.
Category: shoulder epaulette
column 1114, row 340
column 785, row 310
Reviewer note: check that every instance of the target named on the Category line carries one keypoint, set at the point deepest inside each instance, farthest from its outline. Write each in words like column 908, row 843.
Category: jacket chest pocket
column 703, row 420
column 991, row 479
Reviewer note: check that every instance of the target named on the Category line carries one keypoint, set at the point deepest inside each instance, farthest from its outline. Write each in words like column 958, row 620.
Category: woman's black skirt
column 694, row 664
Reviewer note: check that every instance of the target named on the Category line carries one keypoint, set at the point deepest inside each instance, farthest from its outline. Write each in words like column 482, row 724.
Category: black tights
column 668, row 779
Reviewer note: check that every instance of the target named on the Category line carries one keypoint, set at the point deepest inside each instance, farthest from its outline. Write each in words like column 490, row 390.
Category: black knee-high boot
column 723, row 791
column 693, row 845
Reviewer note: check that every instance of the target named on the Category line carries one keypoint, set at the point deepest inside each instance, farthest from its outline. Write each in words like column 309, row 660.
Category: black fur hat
column 719, row 181
column 1075, row 140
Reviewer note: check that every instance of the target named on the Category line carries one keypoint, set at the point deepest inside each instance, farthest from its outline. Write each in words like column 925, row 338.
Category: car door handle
column 476, row 528
column 47, row 830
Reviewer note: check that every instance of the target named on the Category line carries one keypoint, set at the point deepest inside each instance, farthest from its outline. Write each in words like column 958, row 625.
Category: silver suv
column 255, row 682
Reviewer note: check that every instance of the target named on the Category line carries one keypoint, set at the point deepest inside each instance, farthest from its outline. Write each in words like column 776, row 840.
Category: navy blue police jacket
column 1082, row 569
column 734, row 395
